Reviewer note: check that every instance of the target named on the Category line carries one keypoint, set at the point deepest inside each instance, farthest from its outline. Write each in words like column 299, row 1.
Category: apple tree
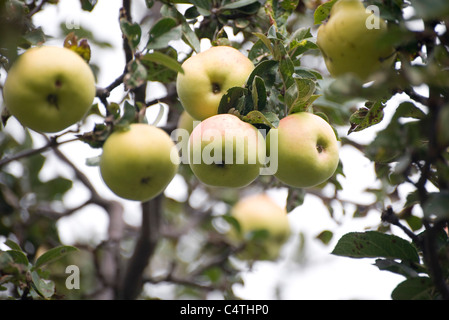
column 183, row 241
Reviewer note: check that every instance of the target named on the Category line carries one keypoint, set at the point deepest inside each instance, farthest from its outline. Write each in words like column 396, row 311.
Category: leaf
column 259, row 93
column 256, row 117
column 419, row 288
column 437, row 206
column 295, row 198
column 373, row 244
column 408, row 110
column 79, row 46
column 18, row 256
column 53, row 189
column 132, row 32
column 396, row 267
column 53, row 255
column 325, row 236
column 163, row 59
column 366, row 117
column 45, row 288
column 232, row 99
column 164, row 31
column 129, row 114
column 13, row 245
column 88, row 5
column 439, row 8
column 322, row 12
column 299, row 96
column 261, row 69
column 238, row 4
column 137, row 74
column 264, row 39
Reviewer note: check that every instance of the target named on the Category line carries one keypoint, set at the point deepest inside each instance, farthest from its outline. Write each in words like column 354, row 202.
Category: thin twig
column 51, row 144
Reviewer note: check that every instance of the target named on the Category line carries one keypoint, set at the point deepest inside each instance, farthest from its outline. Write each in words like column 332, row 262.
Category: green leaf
column 13, row 245
column 373, row 244
column 325, row 236
column 137, row 74
column 322, row 12
column 299, row 96
column 264, row 39
column 53, row 189
column 419, row 288
column 53, row 255
column 259, row 93
column 132, row 32
column 19, row 257
column 88, row 5
column 238, row 4
column 256, row 117
column 163, row 59
column 437, row 206
column 438, row 9
column 164, row 31
column 203, row 4
column 261, row 69
column 45, row 288
column 408, row 110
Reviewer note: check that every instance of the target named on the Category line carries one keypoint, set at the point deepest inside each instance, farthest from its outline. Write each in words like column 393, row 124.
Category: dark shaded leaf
column 419, row 288
column 232, row 99
column 366, row 117
column 373, row 244
column 88, row 5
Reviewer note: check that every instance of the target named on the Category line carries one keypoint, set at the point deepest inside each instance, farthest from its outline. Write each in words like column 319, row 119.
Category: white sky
column 324, row 276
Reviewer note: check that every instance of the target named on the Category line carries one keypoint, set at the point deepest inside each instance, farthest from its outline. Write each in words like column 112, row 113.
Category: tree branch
column 144, row 249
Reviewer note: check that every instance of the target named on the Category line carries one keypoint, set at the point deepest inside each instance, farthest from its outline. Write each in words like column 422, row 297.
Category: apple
column 225, row 151
column 207, row 76
column 49, row 88
column 260, row 213
column 307, row 148
column 181, row 135
column 350, row 41
column 186, row 122
column 136, row 163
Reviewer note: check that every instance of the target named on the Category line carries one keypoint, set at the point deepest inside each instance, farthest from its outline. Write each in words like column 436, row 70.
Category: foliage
column 188, row 241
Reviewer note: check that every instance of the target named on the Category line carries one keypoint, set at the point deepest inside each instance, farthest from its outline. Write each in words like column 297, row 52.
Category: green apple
column 49, row 88
column 181, row 135
column 307, row 149
column 186, row 122
column 350, row 41
column 260, row 213
column 136, row 163
column 225, row 151
column 207, row 76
